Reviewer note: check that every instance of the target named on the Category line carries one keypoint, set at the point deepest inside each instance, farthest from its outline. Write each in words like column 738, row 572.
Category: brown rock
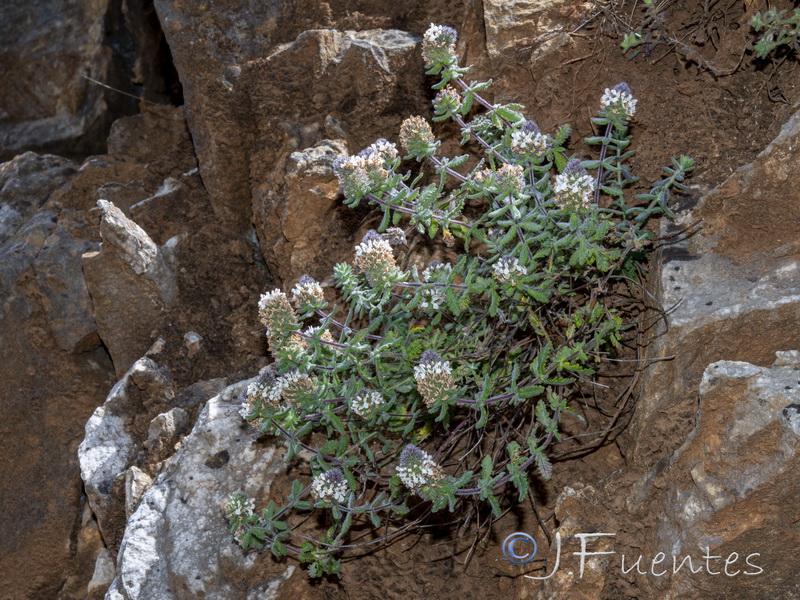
column 525, row 26
column 49, row 49
column 102, row 577
column 710, row 450
column 291, row 183
column 131, row 286
column 47, row 396
column 294, row 239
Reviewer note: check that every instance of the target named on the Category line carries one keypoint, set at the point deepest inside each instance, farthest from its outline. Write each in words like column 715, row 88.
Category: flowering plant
column 779, row 29
column 445, row 388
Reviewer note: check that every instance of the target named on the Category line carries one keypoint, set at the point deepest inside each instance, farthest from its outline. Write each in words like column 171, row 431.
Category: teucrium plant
column 445, row 388
column 779, row 29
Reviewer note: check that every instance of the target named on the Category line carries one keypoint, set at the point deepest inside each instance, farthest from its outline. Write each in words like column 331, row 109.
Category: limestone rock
column 209, row 65
column 104, row 571
column 198, row 393
column 194, row 342
column 110, row 445
column 88, row 547
column 177, row 543
column 730, row 301
column 711, row 446
column 55, row 370
column 164, row 431
column 137, row 482
column 740, row 462
column 244, row 108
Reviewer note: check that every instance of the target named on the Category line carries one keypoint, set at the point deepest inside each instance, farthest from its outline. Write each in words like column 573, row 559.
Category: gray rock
column 67, row 304
column 732, row 286
column 26, row 182
column 137, row 482
column 178, row 544
column 110, row 445
column 104, row 571
column 135, row 248
column 742, row 463
column 164, row 431
column 168, row 425
column 193, row 342
column 712, row 439
column 198, row 393
column 19, row 252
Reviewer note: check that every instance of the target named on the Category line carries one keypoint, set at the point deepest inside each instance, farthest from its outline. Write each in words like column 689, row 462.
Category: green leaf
column 278, row 549
column 530, row 391
column 486, row 467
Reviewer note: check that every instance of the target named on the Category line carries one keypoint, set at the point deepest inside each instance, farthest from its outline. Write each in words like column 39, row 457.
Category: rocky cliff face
column 130, row 281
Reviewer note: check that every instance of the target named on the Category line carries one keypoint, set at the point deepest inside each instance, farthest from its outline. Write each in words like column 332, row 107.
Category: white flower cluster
column 619, row 101
column 270, row 391
column 366, row 160
column 510, row 178
column 375, row 259
column 416, row 136
column 314, row 331
column 294, row 385
column 434, row 378
column 431, row 370
column 574, row 188
column 437, row 270
column 439, row 45
column 307, row 291
column 239, row 505
column 353, row 175
column 385, row 149
column 440, row 34
column 273, row 297
column 448, row 98
column 330, row 486
column 417, row 468
column 529, row 142
column 373, row 247
column 366, row 402
column 508, row 269
column 366, row 170
column 434, row 297
column 276, row 313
